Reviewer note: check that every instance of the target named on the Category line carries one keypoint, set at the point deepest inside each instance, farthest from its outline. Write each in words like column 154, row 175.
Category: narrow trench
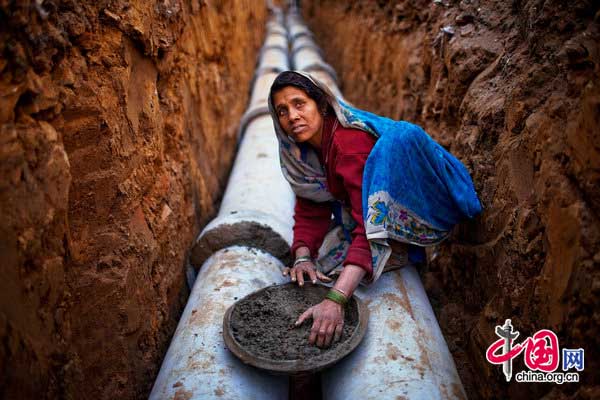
column 117, row 117
column 290, row 45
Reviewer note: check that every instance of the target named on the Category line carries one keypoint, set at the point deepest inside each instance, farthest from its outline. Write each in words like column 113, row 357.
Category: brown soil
column 118, row 126
column 244, row 233
column 263, row 324
column 511, row 88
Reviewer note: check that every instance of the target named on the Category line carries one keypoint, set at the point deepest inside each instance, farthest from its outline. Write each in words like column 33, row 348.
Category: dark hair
column 290, row 78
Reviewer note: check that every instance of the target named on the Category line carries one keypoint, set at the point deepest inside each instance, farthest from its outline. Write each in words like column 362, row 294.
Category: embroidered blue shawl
column 414, row 191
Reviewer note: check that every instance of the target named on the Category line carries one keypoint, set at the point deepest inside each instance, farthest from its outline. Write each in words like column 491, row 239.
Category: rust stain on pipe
column 392, row 352
column 183, row 394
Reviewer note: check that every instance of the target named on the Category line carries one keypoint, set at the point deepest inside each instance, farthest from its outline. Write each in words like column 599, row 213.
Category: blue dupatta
column 414, row 191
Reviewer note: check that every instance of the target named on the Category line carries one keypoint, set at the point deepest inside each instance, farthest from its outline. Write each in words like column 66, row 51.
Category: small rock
column 573, row 52
column 111, row 15
column 166, row 211
column 467, row 30
column 464, row 19
column 49, row 131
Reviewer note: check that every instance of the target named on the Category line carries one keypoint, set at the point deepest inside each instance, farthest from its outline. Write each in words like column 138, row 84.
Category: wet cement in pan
column 263, row 324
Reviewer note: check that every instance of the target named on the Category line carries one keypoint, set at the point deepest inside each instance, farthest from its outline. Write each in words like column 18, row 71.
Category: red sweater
column 343, row 155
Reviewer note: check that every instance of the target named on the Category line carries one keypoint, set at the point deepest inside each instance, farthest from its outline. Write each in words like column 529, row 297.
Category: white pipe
column 276, row 40
column 305, row 41
column 260, row 90
column 256, row 210
column 297, row 30
column 276, row 26
column 197, row 364
column 309, row 60
column 256, row 182
column 257, row 207
column 273, row 59
column 404, row 352
column 326, row 78
column 277, row 14
column 259, row 98
column 306, row 55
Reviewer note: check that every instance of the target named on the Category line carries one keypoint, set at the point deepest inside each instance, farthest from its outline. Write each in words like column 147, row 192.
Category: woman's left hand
column 328, row 322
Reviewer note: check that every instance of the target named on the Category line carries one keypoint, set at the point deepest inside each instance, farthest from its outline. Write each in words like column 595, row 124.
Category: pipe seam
column 322, row 66
column 304, row 46
column 249, row 116
column 275, row 47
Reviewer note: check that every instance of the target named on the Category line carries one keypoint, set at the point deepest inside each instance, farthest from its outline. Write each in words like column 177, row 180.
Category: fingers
column 322, row 277
column 313, row 275
column 339, row 329
column 325, row 334
column 314, row 331
column 304, row 316
column 297, row 273
column 329, row 335
column 300, row 277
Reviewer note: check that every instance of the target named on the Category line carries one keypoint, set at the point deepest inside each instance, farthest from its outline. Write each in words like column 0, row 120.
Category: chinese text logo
column 541, row 355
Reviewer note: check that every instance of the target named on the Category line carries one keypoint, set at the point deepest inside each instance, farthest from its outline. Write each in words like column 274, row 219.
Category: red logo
column 541, row 350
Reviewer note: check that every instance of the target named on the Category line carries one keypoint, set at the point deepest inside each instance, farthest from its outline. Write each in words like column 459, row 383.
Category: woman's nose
column 293, row 115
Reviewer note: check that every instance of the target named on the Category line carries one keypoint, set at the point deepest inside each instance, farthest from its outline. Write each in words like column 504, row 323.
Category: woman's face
column 299, row 115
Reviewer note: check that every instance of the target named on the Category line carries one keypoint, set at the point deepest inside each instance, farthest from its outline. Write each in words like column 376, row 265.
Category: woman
column 389, row 186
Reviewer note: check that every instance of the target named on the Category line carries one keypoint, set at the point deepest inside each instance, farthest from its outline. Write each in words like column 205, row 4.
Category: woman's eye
column 281, row 113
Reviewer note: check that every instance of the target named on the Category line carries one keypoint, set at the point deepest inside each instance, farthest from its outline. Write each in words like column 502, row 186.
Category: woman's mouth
column 298, row 128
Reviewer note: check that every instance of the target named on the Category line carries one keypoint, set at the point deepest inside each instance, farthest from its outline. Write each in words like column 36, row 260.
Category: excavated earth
column 118, row 126
column 512, row 88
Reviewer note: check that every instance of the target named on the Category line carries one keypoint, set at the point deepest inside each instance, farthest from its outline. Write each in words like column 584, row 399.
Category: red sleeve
column 312, row 222
column 349, row 167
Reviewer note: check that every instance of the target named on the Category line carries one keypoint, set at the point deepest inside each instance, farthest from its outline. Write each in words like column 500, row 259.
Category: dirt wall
column 511, row 88
column 118, row 125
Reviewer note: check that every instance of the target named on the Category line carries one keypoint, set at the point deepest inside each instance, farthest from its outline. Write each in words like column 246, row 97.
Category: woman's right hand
column 306, row 267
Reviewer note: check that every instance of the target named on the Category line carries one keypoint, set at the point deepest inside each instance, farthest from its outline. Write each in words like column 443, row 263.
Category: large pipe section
column 404, row 353
column 274, row 52
column 273, row 59
column 198, row 365
column 306, row 55
column 257, row 207
column 240, row 252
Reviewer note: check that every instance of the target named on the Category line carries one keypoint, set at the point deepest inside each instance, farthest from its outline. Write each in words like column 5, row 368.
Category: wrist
column 329, row 301
column 349, row 279
column 302, row 251
column 342, row 291
column 302, row 259
column 337, row 297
